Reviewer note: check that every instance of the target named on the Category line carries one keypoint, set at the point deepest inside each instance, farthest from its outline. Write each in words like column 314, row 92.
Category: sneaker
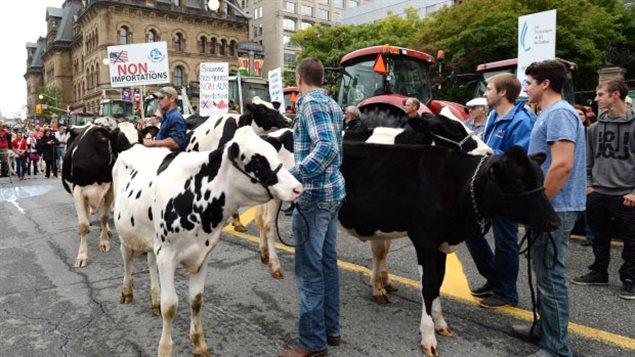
column 523, row 332
column 592, row 278
column 628, row 290
column 494, row 302
column 485, row 290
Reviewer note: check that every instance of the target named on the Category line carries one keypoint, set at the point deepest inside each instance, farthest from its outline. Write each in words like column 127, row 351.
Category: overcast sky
column 20, row 22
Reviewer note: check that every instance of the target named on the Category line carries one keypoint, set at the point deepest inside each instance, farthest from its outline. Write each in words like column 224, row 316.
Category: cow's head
column 515, row 189
column 257, row 170
column 447, row 130
column 282, row 141
column 263, row 116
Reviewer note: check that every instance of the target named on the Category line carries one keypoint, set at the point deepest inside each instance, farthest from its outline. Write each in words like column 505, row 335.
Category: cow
column 437, row 196
column 86, row 174
column 173, row 206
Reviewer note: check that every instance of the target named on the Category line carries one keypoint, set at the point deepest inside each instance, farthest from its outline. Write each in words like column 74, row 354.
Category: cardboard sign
column 275, row 88
column 536, row 41
column 138, row 64
column 214, row 89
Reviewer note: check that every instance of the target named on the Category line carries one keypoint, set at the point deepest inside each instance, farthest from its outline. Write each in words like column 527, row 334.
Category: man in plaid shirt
column 317, row 136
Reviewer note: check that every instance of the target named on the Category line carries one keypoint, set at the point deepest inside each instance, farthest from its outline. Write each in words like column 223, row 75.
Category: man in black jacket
column 352, row 119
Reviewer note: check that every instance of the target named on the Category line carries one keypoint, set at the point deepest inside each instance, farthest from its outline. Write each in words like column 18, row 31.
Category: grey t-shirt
column 559, row 122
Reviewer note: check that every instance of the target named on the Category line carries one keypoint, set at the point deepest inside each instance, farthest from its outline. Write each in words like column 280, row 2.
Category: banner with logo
column 536, row 41
column 214, row 88
column 258, row 63
column 244, row 65
column 275, row 87
column 138, row 64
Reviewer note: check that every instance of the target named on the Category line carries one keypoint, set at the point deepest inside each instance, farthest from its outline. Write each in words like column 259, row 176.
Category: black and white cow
column 424, row 192
column 174, row 207
column 86, row 174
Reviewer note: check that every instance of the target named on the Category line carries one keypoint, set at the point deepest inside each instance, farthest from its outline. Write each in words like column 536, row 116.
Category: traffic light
column 38, row 109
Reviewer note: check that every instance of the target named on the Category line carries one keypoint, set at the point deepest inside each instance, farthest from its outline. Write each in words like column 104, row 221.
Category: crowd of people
column 31, row 150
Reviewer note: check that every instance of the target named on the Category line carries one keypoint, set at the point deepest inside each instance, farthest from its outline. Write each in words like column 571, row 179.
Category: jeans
column 501, row 267
column 316, row 272
column 61, row 151
column 20, row 166
column 553, row 297
column 609, row 218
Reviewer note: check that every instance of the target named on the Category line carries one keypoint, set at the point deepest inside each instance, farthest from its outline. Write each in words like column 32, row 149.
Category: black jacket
column 46, row 146
column 355, row 125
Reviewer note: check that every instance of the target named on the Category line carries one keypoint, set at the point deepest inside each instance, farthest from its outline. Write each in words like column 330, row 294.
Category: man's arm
column 560, row 168
column 590, row 161
column 166, row 143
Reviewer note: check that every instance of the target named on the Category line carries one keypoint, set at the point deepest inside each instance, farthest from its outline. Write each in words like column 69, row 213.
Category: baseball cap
column 477, row 102
column 169, row 91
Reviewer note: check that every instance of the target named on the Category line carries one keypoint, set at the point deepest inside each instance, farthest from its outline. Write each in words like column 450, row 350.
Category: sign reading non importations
column 536, row 40
column 275, row 88
column 214, row 88
column 138, row 64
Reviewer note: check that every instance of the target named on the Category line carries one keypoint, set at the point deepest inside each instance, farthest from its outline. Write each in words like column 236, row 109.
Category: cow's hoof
column 445, row 332
column 201, row 354
column 429, row 351
column 277, row 274
column 156, row 310
column 81, row 262
column 381, row 299
column 264, row 258
column 104, row 246
column 240, row 228
column 126, row 298
column 390, row 288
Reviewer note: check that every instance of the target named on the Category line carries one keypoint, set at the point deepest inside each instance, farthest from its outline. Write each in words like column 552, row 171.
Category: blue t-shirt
column 173, row 126
column 555, row 123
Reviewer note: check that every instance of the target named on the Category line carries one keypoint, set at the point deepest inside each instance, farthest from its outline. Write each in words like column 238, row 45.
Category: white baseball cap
column 477, row 102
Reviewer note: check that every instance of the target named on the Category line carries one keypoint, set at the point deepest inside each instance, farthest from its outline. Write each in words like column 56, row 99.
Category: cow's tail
column 66, row 173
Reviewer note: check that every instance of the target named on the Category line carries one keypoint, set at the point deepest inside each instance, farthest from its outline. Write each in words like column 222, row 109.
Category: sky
column 21, row 22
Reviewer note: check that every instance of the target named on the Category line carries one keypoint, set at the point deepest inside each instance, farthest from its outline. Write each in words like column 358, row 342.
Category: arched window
column 89, row 78
column 232, row 48
column 178, row 42
column 201, row 44
column 212, row 46
column 97, row 76
column 124, row 35
column 96, row 39
column 152, row 36
column 223, row 44
column 177, row 76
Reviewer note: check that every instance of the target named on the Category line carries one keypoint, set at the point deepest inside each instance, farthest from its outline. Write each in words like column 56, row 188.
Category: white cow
column 174, row 207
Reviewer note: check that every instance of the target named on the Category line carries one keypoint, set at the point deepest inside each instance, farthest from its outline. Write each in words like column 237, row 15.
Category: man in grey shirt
column 611, row 186
column 478, row 115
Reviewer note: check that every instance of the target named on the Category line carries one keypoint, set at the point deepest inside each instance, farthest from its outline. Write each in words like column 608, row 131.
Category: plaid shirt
column 317, row 147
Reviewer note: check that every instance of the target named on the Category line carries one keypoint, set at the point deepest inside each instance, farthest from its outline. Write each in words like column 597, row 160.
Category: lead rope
column 306, row 223
column 482, row 222
column 531, row 237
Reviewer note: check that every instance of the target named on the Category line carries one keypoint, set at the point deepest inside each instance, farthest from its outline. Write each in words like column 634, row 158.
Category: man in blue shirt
column 172, row 132
column 317, row 135
column 508, row 125
column 559, row 134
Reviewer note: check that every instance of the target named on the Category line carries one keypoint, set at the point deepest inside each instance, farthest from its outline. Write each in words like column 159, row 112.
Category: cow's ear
column 539, row 158
column 276, row 105
column 245, row 119
column 233, row 151
column 250, row 107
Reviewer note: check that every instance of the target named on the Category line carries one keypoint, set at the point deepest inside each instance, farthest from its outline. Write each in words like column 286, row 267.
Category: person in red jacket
column 5, row 143
column 19, row 147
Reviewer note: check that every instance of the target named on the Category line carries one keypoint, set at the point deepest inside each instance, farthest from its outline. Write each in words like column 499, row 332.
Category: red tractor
column 378, row 80
column 290, row 98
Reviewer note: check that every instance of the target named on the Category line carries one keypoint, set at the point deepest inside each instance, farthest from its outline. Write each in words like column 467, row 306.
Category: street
column 50, row 308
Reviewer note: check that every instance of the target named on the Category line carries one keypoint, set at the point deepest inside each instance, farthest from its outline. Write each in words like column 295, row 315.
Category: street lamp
column 213, row 5
column 41, row 96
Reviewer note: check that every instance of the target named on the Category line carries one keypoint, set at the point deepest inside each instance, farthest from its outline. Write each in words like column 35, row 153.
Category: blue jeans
column 553, row 297
column 60, row 151
column 20, row 166
column 501, row 267
column 316, row 272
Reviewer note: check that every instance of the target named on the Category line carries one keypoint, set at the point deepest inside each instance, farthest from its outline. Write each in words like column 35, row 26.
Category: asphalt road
column 50, row 308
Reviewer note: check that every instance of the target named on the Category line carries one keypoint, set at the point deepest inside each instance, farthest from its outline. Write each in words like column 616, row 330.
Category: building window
column 212, row 46
column 352, row 3
column 323, row 2
column 289, row 58
column 201, row 44
column 258, row 13
column 177, row 76
column 260, row 30
column 307, row 10
column 289, row 7
column 178, row 42
column 286, row 41
column 97, row 76
column 288, row 24
column 152, row 36
column 305, row 25
column 124, row 35
column 232, row 48
column 223, row 45
column 323, row 14
column 338, row 3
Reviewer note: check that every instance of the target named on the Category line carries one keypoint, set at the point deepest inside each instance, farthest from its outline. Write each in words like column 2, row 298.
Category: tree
column 52, row 98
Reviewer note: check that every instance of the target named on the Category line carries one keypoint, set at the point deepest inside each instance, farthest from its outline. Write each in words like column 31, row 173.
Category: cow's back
column 213, row 133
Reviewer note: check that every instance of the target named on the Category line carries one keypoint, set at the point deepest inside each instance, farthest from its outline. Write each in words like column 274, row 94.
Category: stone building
column 72, row 54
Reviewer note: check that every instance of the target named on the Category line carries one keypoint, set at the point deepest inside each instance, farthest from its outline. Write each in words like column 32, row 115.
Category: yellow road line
column 454, row 286
column 613, row 242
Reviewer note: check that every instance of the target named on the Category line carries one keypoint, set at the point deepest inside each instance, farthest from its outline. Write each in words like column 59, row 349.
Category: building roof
column 40, row 47
column 65, row 30
column 53, row 12
column 31, row 44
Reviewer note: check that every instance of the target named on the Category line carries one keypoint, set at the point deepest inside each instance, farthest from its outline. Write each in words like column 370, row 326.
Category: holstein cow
column 443, row 130
column 436, row 196
column 173, row 206
column 213, row 132
column 87, row 174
